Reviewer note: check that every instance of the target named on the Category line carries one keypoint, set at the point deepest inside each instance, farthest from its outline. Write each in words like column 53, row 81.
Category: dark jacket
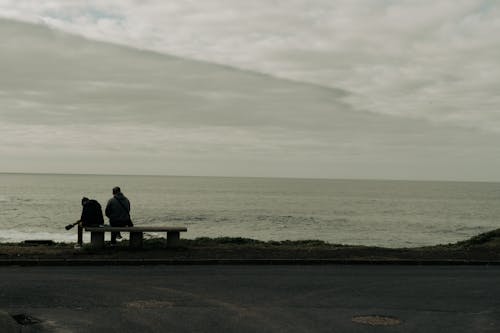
column 118, row 209
column 92, row 214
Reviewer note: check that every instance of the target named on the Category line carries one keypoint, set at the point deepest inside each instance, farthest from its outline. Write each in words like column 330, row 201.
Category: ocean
column 358, row 212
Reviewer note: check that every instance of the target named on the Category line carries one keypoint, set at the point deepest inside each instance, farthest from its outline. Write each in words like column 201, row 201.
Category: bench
column 136, row 234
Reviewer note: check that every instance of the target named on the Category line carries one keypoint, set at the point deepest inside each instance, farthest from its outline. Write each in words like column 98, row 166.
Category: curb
column 8, row 324
column 148, row 262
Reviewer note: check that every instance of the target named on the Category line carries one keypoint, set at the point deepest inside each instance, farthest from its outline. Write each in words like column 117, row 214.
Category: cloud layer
column 73, row 105
column 432, row 60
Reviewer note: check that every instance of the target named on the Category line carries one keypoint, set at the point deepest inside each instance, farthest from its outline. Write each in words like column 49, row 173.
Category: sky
column 311, row 89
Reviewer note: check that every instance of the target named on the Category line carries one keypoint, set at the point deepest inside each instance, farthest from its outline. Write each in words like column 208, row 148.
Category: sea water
column 361, row 212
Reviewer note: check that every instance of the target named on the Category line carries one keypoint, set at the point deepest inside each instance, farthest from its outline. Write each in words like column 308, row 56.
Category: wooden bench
column 136, row 234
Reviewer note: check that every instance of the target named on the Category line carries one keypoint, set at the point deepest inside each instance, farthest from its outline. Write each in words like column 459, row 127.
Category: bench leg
column 97, row 239
column 135, row 239
column 173, row 238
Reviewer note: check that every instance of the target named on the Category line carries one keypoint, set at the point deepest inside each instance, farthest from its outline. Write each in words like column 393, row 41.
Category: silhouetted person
column 118, row 212
column 91, row 216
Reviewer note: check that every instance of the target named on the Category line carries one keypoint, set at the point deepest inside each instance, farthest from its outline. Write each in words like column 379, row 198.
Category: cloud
column 433, row 60
column 74, row 105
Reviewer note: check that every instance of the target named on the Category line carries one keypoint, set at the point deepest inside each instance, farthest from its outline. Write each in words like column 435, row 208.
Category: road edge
column 144, row 262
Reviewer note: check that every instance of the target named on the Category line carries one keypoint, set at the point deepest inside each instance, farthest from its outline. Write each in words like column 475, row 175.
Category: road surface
column 330, row 298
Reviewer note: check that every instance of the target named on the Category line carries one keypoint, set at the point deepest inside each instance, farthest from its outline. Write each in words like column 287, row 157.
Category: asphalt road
column 254, row 298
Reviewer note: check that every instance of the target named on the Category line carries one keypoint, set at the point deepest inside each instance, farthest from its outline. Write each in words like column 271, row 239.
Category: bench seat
column 136, row 234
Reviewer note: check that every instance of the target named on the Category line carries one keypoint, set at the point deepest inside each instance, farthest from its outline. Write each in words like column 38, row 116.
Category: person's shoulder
column 122, row 197
column 94, row 202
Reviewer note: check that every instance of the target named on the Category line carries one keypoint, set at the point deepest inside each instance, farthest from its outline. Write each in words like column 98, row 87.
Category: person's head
column 84, row 200
column 116, row 190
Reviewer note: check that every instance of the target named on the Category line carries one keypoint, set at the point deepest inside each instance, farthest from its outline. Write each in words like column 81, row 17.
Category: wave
column 14, row 236
column 14, row 199
column 175, row 218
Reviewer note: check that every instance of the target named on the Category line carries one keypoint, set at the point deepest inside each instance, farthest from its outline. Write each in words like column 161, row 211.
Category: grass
column 485, row 246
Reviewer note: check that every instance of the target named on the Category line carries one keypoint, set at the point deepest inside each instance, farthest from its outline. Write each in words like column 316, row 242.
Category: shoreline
column 481, row 249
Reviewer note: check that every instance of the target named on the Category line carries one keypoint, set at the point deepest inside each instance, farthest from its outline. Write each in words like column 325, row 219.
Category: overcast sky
column 295, row 88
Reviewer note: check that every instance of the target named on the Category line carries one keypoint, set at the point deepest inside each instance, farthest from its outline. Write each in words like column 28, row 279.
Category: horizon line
column 251, row 177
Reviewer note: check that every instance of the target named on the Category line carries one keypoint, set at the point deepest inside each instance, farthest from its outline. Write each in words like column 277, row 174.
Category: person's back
column 118, row 209
column 91, row 213
column 118, row 212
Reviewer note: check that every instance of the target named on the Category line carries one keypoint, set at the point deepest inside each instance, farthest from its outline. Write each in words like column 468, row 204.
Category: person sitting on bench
column 91, row 216
column 118, row 212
